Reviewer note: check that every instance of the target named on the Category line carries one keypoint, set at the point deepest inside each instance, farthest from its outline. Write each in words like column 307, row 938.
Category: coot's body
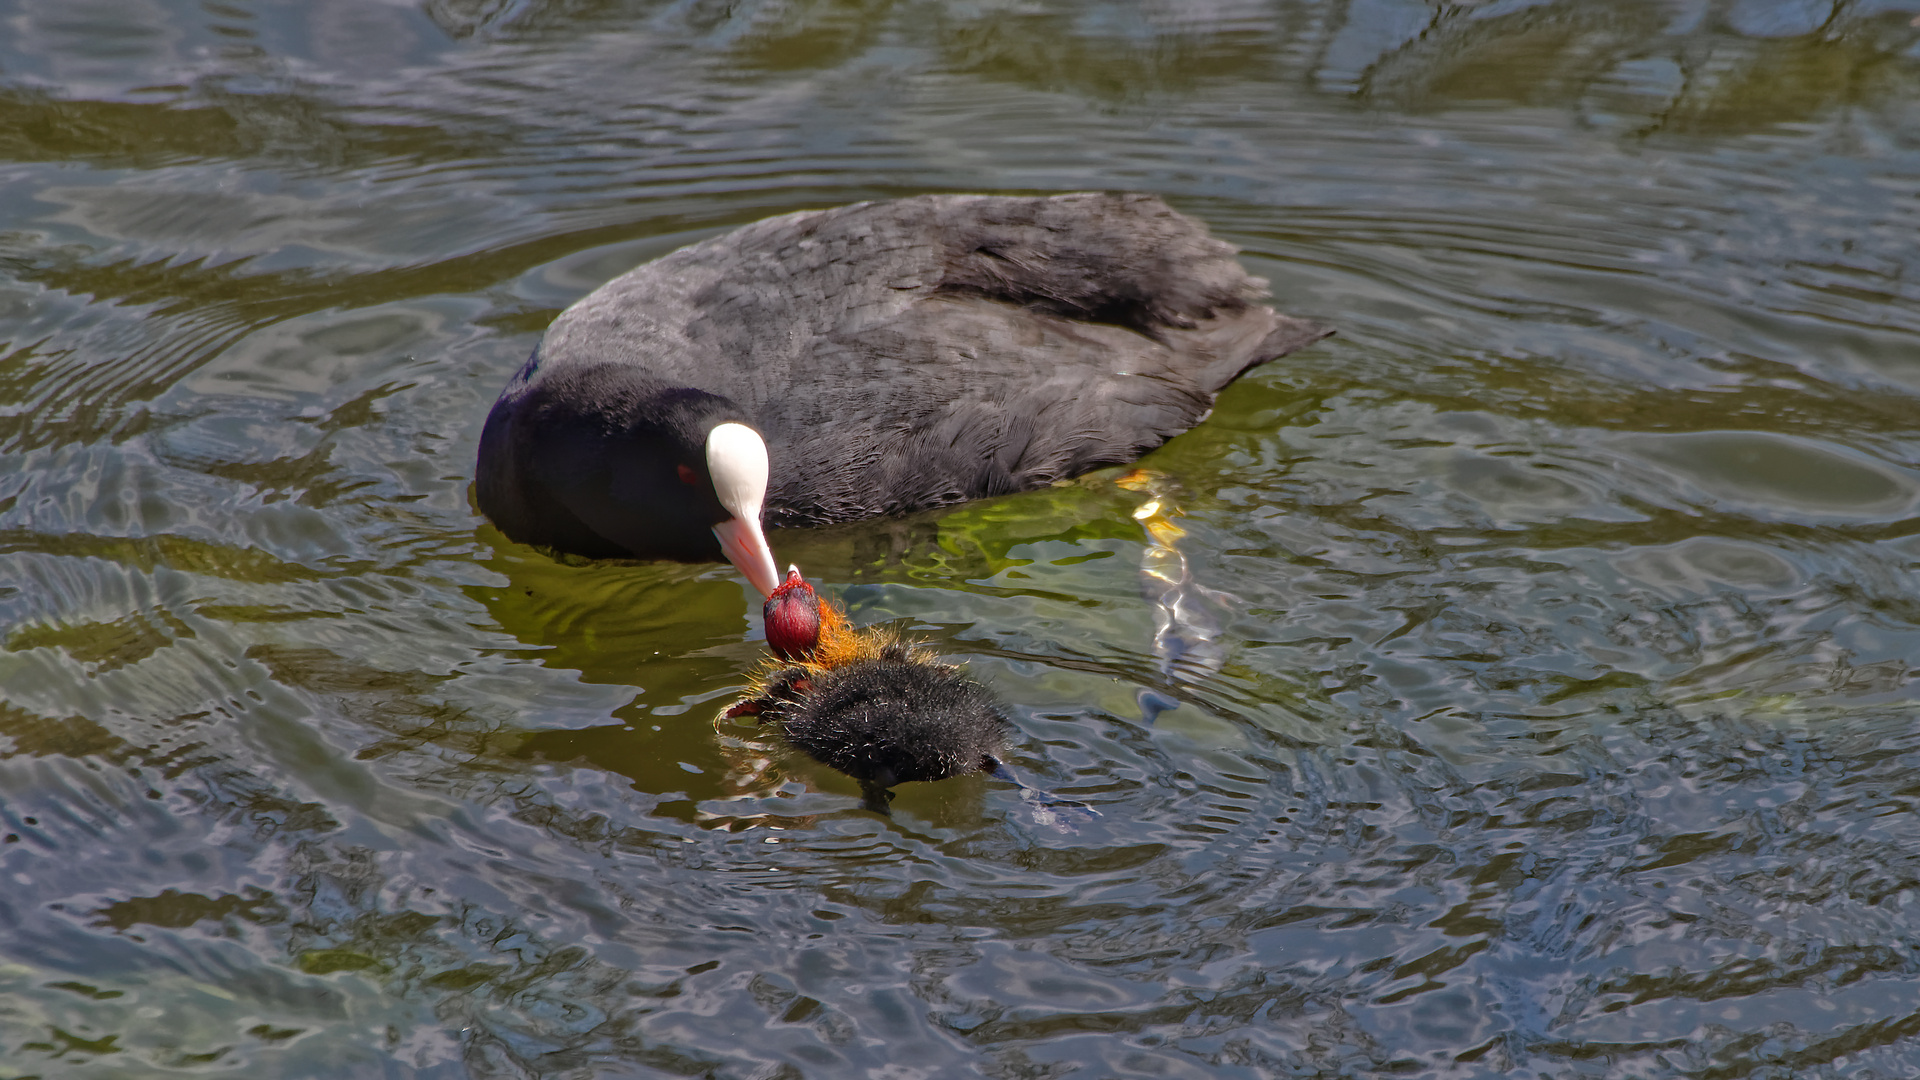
column 895, row 356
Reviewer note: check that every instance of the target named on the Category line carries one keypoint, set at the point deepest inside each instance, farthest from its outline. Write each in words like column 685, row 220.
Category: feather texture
column 920, row 352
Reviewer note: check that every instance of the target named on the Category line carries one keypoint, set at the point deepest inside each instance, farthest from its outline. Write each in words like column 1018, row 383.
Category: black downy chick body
column 869, row 703
column 897, row 718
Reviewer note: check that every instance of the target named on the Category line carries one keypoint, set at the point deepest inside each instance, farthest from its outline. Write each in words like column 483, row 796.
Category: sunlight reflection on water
column 1547, row 704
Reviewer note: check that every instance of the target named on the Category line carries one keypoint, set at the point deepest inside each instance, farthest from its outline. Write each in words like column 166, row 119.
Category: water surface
column 1520, row 683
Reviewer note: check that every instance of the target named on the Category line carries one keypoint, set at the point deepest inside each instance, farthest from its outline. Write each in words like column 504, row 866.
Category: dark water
column 1542, row 649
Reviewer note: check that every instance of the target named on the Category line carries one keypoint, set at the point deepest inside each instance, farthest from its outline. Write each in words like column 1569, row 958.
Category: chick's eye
column 688, row 476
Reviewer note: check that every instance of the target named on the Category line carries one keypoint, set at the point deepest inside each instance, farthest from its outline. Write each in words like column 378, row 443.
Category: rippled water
column 1522, row 682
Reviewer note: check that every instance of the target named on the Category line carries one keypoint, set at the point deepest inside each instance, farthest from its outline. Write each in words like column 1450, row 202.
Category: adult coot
column 879, row 358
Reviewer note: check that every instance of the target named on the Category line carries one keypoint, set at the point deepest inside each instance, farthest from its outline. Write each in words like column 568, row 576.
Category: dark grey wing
column 961, row 398
column 1039, row 338
column 1128, row 260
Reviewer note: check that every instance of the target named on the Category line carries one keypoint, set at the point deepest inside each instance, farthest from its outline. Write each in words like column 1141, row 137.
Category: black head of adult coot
column 868, row 702
column 874, row 359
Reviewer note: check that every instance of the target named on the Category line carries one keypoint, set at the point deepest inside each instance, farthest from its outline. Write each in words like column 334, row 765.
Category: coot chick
column 870, row 703
column 875, row 359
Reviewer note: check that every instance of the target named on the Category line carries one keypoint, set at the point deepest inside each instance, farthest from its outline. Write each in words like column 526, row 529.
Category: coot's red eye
column 688, row 476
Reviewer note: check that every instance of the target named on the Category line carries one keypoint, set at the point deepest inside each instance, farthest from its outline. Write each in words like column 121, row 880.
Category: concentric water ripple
column 1520, row 683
